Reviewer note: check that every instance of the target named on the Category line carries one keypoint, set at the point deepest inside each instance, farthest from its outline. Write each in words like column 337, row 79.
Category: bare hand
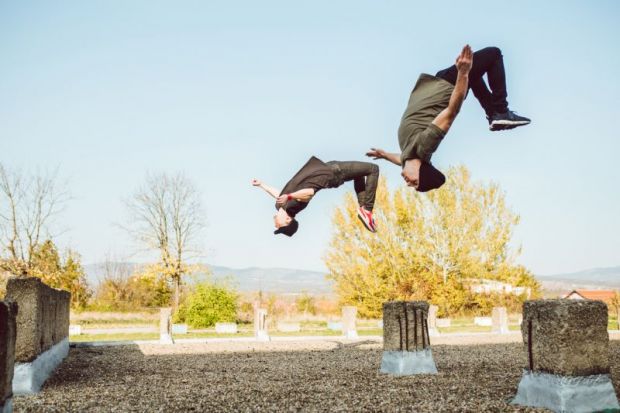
column 256, row 182
column 376, row 153
column 281, row 200
column 465, row 60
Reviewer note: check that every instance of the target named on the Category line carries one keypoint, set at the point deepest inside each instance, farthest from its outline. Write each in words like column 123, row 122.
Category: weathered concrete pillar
column 42, row 334
column 260, row 324
column 8, row 313
column 432, row 320
column 566, row 342
column 165, row 326
column 406, row 344
column 349, row 319
column 500, row 320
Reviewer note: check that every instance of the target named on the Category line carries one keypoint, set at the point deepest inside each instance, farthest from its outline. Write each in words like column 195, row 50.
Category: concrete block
column 260, row 324
column 286, row 327
column 8, row 325
column 483, row 321
column 567, row 337
column 349, row 321
column 405, row 326
column 179, row 328
column 567, row 350
column 432, row 320
column 226, row 328
column 500, row 320
column 165, row 326
column 334, row 325
column 43, row 317
column 406, row 344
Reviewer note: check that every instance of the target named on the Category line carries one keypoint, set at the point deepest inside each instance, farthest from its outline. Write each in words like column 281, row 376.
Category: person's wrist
column 289, row 197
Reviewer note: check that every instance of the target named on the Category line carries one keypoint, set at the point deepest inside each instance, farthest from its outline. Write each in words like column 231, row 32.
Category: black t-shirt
column 314, row 174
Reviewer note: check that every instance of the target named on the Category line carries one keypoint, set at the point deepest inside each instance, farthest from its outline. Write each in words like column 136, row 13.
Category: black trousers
column 365, row 177
column 487, row 61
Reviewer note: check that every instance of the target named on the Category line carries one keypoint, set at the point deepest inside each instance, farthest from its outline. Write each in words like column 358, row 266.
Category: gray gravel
column 284, row 376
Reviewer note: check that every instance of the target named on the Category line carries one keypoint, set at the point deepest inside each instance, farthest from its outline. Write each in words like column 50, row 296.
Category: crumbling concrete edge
column 8, row 406
column 566, row 393
column 262, row 335
column 29, row 377
column 406, row 363
column 351, row 335
column 166, row 339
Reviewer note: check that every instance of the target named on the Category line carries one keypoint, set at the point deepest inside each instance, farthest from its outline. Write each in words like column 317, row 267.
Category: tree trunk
column 177, row 288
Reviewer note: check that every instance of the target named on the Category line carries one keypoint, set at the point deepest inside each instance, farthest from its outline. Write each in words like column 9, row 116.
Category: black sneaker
column 508, row 120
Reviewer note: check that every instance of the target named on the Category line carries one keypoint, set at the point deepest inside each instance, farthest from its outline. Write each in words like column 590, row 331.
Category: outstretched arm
column 376, row 153
column 270, row 190
column 463, row 63
column 302, row 195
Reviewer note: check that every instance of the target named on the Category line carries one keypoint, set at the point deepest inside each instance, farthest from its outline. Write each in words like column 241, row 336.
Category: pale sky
column 226, row 91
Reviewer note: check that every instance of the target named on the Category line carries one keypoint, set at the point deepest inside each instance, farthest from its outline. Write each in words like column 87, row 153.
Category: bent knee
column 493, row 50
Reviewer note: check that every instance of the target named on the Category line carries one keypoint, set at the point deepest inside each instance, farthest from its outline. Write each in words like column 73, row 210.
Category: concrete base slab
column 406, row 363
column 29, row 377
column 262, row 335
column 566, row 394
column 7, row 407
column 165, row 339
column 351, row 335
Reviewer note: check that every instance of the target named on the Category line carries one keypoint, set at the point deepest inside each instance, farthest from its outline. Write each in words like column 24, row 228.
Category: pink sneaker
column 367, row 219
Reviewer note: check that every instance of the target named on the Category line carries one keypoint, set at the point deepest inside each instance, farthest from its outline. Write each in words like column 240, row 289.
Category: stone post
column 349, row 318
column 566, row 343
column 432, row 320
column 406, row 344
column 260, row 324
column 42, row 331
column 165, row 326
column 8, row 313
column 500, row 320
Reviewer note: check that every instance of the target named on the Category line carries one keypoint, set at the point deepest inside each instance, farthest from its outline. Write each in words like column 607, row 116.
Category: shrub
column 207, row 304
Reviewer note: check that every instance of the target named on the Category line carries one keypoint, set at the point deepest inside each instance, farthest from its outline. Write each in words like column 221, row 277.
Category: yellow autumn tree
column 430, row 246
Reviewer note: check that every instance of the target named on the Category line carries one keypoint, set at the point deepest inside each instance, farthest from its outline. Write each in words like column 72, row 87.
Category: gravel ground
column 310, row 376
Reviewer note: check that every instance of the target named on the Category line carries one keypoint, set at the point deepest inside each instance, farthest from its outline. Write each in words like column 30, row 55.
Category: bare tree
column 166, row 215
column 28, row 204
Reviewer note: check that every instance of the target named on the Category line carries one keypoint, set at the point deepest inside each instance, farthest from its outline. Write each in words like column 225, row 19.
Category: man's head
column 422, row 175
column 284, row 223
column 430, row 178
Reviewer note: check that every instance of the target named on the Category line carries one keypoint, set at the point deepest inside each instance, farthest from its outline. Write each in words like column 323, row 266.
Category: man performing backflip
column 434, row 104
column 316, row 175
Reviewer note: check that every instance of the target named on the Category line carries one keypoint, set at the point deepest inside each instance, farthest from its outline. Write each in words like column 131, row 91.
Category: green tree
column 208, row 304
column 125, row 288
column 615, row 304
column 67, row 274
column 428, row 246
column 305, row 304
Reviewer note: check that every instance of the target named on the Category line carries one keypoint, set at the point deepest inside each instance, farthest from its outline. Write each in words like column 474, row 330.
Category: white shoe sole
column 368, row 227
column 506, row 125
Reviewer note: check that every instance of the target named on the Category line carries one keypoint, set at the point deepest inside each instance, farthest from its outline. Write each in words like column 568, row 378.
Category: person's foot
column 367, row 219
column 508, row 120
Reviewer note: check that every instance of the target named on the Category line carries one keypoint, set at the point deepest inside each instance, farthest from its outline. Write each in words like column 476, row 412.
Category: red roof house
column 603, row 295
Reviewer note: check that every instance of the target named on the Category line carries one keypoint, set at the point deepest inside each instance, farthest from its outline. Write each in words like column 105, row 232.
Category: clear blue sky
column 226, row 91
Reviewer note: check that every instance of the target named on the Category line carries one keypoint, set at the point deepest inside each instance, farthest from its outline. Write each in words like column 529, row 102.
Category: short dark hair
column 430, row 178
column 288, row 230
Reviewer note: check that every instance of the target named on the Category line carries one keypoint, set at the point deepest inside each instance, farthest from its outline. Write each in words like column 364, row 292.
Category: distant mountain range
column 276, row 280
column 593, row 279
column 288, row 280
